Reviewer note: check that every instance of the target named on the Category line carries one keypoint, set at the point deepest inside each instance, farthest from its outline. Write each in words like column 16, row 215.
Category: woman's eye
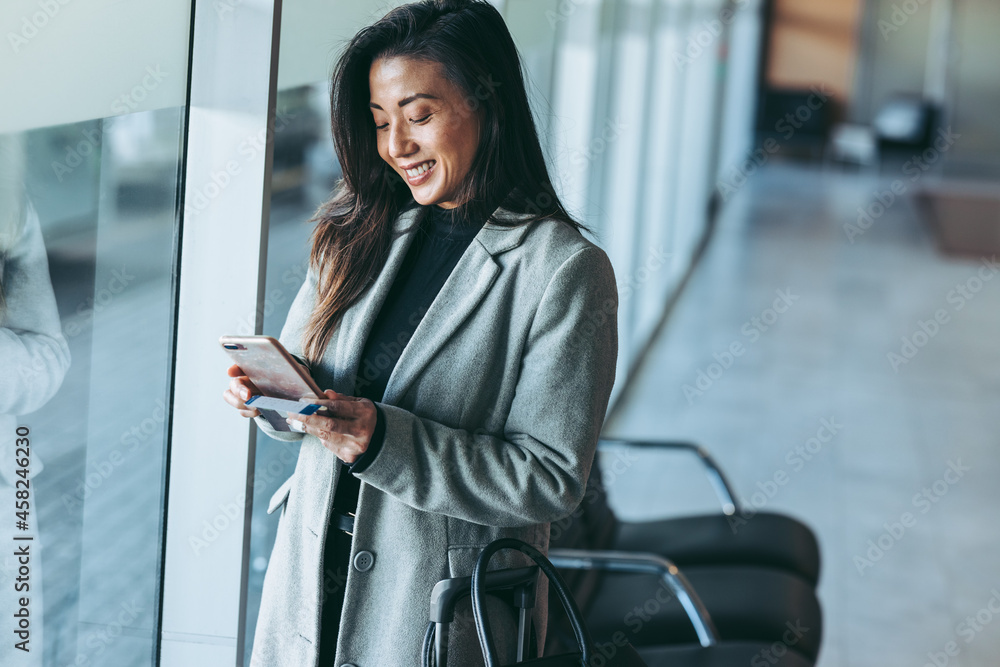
column 412, row 120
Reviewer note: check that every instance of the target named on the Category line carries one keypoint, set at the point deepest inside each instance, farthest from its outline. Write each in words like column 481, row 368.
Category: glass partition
column 88, row 222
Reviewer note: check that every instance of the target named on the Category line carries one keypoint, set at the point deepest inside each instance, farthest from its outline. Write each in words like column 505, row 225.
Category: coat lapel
column 357, row 320
column 468, row 283
column 464, row 289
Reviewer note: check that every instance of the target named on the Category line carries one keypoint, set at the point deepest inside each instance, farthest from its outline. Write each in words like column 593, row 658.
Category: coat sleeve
column 536, row 471
column 33, row 350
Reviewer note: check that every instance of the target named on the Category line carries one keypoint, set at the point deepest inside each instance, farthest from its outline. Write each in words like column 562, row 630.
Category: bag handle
column 483, row 630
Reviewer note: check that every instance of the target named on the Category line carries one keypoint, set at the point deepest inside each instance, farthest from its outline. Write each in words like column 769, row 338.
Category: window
column 86, row 329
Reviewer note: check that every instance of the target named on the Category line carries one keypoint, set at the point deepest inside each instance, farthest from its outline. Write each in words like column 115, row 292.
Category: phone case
column 273, row 370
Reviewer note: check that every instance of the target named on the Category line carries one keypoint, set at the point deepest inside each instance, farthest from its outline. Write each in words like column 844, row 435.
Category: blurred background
column 801, row 199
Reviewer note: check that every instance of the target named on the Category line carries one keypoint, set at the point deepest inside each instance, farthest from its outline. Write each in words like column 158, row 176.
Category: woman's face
column 426, row 132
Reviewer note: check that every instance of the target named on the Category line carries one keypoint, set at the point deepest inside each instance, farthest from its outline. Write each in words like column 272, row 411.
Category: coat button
column 363, row 561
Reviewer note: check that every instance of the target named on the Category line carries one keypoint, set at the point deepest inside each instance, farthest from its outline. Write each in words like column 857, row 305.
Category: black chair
column 754, row 592
column 905, row 125
column 517, row 585
column 733, row 537
column 705, row 647
column 746, row 605
column 798, row 119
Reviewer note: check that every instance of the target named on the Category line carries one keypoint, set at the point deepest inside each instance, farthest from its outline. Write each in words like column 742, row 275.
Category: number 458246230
column 22, row 462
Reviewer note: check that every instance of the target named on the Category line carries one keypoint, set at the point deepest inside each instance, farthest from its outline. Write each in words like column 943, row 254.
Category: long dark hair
column 353, row 232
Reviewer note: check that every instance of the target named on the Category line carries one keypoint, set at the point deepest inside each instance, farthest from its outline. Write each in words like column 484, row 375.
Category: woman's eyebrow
column 406, row 100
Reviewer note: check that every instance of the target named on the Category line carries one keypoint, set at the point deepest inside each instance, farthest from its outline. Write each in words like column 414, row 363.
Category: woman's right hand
column 240, row 389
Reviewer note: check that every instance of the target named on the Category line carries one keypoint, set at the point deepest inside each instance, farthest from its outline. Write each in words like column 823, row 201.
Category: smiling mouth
column 419, row 173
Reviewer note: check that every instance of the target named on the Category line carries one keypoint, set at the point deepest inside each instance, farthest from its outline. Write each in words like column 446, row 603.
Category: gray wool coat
column 34, row 354
column 492, row 416
column 34, row 358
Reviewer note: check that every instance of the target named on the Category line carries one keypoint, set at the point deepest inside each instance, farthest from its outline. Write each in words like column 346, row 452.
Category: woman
column 467, row 331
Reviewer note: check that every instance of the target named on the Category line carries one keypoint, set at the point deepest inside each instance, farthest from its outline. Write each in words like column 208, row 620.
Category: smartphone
column 274, row 371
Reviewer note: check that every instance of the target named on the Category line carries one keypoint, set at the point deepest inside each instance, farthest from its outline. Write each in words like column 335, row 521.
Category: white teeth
column 418, row 170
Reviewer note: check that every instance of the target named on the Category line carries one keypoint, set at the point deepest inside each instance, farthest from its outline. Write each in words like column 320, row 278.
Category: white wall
column 62, row 61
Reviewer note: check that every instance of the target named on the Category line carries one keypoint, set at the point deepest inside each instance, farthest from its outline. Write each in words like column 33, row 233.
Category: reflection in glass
column 35, row 358
column 104, row 193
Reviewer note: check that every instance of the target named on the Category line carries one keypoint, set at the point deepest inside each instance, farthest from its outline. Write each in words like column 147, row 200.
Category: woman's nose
column 400, row 142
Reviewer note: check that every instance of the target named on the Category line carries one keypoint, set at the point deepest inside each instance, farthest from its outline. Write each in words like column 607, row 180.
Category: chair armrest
column 723, row 490
column 641, row 563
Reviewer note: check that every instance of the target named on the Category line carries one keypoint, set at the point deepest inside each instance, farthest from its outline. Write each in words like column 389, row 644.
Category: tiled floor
column 847, row 304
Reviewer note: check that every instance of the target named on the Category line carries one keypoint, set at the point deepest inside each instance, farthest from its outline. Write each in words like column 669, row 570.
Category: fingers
column 331, row 394
column 345, row 427
column 344, row 407
column 327, row 428
column 240, row 390
column 237, row 373
column 337, row 435
column 235, row 401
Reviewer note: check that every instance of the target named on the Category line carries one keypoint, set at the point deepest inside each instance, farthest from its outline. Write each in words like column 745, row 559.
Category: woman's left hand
column 345, row 426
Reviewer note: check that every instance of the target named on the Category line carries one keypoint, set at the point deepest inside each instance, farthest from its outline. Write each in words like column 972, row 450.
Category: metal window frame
column 220, row 286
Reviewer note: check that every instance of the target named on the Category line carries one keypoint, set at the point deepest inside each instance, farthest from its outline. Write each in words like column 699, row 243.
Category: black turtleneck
column 435, row 250
column 440, row 241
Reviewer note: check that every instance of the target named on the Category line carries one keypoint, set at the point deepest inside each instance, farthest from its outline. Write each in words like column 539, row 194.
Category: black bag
column 622, row 656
